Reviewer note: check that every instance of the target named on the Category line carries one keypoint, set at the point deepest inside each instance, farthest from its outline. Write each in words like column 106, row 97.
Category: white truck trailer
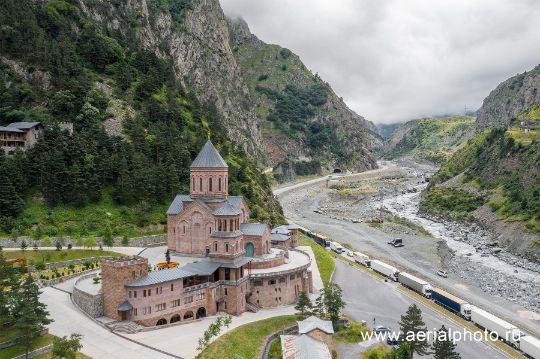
column 336, row 247
column 415, row 283
column 530, row 346
column 385, row 269
column 361, row 258
column 504, row 330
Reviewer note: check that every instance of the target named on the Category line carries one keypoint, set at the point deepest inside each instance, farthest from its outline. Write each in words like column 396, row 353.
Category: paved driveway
column 97, row 341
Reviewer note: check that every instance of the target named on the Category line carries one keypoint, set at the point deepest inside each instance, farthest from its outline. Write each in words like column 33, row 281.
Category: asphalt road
column 419, row 255
column 368, row 298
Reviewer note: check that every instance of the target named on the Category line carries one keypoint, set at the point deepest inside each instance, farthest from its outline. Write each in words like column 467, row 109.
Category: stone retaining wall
column 273, row 262
column 36, row 352
column 144, row 241
column 263, row 354
column 91, row 304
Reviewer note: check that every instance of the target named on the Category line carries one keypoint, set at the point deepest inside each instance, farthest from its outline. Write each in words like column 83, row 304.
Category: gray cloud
column 395, row 60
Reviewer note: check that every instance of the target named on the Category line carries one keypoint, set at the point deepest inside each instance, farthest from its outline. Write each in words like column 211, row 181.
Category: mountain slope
column 301, row 118
column 138, row 122
column 495, row 178
column 511, row 98
column 428, row 139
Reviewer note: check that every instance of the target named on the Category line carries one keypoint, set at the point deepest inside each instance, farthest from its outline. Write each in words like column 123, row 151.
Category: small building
column 303, row 347
column 317, row 328
column 20, row 135
column 285, row 236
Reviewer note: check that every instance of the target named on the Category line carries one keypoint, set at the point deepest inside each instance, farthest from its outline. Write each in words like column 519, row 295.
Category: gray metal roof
column 177, row 204
column 236, row 264
column 278, row 237
column 202, row 267
column 253, row 229
column 292, row 225
column 161, row 276
column 222, row 234
column 307, row 325
column 10, row 129
column 124, row 307
column 283, row 229
column 24, row 125
column 227, row 209
column 303, row 347
column 208, row 157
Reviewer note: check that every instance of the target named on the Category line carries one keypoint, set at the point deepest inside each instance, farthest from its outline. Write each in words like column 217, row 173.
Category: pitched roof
column 253, row 229
column 208, row 157
column 227, row 209
column 307, row 325
column 177, row 204
column 303, row 347
column 283, row 229
column 124, row 307
column 161, row 276
column 202, row 267
column 278, row 237
column 10, row 129
column 24, row 125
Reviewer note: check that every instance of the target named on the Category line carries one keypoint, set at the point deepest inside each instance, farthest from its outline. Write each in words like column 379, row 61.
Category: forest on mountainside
column 57, row 66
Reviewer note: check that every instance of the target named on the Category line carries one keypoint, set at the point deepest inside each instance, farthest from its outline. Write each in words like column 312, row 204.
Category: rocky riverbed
column 466, row 249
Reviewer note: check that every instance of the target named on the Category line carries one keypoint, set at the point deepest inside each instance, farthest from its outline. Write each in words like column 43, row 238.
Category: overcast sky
column 395, row 60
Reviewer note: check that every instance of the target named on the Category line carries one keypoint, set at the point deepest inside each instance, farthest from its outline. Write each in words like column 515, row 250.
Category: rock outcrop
column 509, row 99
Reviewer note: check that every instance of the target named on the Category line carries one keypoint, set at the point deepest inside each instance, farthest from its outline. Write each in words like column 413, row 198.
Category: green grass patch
column 452, row 202
column 324, row 259
column 351, row 334
column 274, row 352
column 53, row 256
column 91, row 220
column 7, row 334
column 377, row 352
column 408, row 223
column 17, row 350
column 247, row 340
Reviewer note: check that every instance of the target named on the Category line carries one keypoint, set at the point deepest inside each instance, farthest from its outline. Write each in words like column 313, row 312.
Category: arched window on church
column 210, row 184
column 219, row 225
column 219, row 184
column 225, row 225
column 226, row 247
column 193, row 183
column 200, row 184
column 231, row 225
column 215, row 246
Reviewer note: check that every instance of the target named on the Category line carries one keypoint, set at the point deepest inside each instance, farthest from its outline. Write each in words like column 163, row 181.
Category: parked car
column 349, row 253
column 396, row 242
column 381, row 329
column 442, row 273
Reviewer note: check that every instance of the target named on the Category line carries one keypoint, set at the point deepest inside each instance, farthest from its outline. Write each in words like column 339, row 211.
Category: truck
column 385, row 269
column 336, row 247
column 530, row 346
column 396, row 242
column 361, row 258
column 504, row 330
column 415, row 283
column 451, row 302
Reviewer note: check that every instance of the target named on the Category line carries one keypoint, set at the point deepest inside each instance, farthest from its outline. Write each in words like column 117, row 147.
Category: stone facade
column 20, row 135
column 91, row 304
column 206, row 223
column 115, row 274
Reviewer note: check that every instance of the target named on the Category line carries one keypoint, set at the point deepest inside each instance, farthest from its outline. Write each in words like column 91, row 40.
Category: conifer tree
column 443, row 347
column 30, row 314
column 304, row 305
column 11, row 204
column 411, row 325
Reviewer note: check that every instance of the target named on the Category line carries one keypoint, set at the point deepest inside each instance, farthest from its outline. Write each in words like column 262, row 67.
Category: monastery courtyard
column 180, row 340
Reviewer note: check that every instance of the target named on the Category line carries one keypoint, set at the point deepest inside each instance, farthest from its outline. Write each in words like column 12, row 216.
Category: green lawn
column 7, row 334
column 247, row 340
column 352, row 334
column 378, row 352
column 49, row 356
column 53, row 256
column 275, row 349
column 16, row 350
column 324, row 259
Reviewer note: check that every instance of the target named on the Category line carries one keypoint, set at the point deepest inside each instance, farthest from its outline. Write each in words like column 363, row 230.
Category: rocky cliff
column 509, row 99
column 221, row 61
column 300, row 117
